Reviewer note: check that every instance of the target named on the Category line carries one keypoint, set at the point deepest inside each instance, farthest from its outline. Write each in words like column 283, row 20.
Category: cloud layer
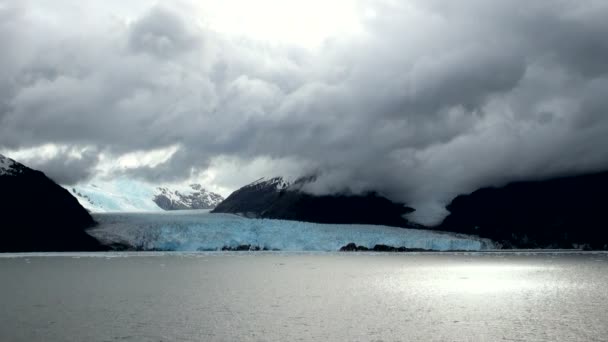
column 427, row 100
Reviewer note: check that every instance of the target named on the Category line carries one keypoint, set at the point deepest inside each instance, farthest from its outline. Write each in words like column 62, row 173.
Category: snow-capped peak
column 278, row 183
column 8, row 166
column 193, row 197
column 130, row 195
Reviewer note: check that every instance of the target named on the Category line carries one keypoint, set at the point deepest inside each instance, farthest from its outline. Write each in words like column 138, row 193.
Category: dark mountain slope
column 275, row 198
column 553, row 213
column 38, row 215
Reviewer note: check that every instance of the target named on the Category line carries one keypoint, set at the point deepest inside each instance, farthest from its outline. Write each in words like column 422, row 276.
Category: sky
column 420, row 100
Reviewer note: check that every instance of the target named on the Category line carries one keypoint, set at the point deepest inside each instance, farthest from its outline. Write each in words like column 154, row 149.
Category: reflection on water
column 488, row 279
column 304, row 297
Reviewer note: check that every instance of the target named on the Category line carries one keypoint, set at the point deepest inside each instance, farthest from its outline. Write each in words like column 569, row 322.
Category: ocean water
column 304, row 297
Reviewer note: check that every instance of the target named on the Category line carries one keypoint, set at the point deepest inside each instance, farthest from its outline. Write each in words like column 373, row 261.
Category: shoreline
column 111, row 254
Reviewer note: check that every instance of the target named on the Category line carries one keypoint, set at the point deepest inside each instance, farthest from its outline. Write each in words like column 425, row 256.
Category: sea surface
column 278, row 296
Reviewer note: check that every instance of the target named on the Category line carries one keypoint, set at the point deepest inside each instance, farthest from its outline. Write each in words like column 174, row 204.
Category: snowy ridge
column 193, row 197
column 129, row 195
column 7, row 166
column 201, row 231
column 278, row 183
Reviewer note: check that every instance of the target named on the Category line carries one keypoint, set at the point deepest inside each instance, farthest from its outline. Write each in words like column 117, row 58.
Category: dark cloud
column 435, row 98
column 67, row 169
column 162, row 32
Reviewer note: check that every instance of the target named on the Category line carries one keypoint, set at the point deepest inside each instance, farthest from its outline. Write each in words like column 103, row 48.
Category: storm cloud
column 66, row 169
column 428, row 100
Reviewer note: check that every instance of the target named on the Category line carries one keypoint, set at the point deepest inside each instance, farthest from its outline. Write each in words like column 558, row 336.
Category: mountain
column 254, row 199
column 558, row 213
column 194, row 198
column 38, row 215
column 130, row 195
column 277, row 199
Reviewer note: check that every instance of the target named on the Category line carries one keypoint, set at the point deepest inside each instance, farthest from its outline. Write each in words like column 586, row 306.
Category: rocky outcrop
column 278, row 199
column 559, row 213
column 352, row 247
column 36, row 214
column 194, row 198
column 246, row 248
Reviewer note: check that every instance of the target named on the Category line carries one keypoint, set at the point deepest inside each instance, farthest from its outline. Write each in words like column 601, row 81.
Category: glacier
column 124, row 194
column 199, row 230
column 118, row 195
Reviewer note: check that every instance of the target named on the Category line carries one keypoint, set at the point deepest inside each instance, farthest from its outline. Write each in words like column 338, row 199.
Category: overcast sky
column 420, row 100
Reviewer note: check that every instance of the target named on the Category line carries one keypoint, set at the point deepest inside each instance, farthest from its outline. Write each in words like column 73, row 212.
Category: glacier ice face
column 200, row 230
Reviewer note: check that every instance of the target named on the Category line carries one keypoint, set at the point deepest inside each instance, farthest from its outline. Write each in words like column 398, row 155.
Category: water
column 304, row 297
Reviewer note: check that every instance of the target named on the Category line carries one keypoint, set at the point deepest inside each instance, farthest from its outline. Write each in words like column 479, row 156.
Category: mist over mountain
column 276, row 198
column 418, row 100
